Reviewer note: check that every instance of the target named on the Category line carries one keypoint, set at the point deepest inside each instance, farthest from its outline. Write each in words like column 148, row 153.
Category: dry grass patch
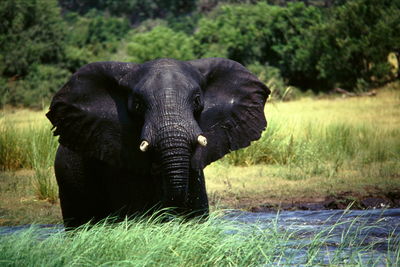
column 19, row 203
column 246, row 187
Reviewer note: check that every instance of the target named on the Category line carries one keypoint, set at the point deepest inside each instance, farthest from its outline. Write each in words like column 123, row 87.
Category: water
column 44, row 230
column 350, row 233
column 337, row 233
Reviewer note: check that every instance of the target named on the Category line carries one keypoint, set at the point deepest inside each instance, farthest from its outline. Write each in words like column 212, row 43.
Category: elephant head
column 181, row 115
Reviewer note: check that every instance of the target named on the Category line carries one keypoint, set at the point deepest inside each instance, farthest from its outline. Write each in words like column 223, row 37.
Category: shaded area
column 344, row 200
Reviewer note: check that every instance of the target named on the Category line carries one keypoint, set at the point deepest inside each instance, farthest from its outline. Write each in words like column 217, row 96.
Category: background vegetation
column 317, row 45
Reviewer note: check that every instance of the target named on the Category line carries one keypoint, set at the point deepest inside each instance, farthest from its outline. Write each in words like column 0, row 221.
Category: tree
column 92, row 37
column 288, row 46
column 262, row 33
column 31, row 32
column 354, row 44
column 135, row 10
column 158, row 43
column 235, row 31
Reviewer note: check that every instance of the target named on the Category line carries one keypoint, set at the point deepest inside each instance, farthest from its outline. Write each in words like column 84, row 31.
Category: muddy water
column 336, row 231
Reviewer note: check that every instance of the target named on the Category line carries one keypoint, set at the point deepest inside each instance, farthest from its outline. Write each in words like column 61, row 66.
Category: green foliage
column 265, row 34
column 136, row 10
column 31, row 43
column 318, row 46
column 185, row 23
column 93, row 37
column 94, row 28
column 287, row 46
column 31, row 32
column 345, row 46
column 158, row 43
column 354, row 44
column 272, row 77
column 37, row 87
column 102, row 29
column 236, row 32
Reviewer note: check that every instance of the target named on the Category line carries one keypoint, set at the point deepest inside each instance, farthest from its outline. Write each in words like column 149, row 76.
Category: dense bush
column 32, row 44
column 352, row 47
column 31, row 32
column 257, row 33
column 160, row 42
column 235, row 31
column 92, row 37
column 136, row 10
column 37, row 88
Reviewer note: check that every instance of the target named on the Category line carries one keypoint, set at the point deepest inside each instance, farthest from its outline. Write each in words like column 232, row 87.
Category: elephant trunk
column 174, row 154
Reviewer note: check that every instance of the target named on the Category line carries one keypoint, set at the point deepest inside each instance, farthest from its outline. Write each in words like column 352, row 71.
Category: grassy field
column 312, row 149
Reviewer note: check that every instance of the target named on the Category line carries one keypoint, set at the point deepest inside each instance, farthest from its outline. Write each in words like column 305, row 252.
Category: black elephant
column 135, row 138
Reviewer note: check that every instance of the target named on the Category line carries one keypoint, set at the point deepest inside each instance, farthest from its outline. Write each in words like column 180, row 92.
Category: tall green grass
column 12, row 147
column 323, row 137
column 215, row 242
column 331, row 143
column 33, row 147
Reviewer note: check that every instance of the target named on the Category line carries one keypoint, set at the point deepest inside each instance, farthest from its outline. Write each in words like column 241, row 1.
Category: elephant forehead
column 162, row 62
column 168, row 97
column 166, row 82
column 170, row 77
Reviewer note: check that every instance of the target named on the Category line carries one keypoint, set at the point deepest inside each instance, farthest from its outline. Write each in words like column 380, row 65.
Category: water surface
column 373, row 234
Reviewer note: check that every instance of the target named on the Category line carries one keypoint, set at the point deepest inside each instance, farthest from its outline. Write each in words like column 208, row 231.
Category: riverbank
column 263, row 188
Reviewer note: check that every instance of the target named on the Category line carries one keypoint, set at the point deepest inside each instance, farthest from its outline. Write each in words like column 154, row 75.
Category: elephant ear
column 90, row 113
column 233, row 113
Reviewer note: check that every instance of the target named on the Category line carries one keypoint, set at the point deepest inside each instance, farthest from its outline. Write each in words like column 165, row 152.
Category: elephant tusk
column 144, row 146
column 202, row 140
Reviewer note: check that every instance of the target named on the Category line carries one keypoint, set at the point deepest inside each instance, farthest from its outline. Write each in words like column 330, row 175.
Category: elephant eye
column 136, row 105
column 197, row 102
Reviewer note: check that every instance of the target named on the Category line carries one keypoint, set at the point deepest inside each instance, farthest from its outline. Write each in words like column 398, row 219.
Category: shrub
column 236, row 32
column 353, row 45
column 158, row 43
column 36, row 89
column 31, row 32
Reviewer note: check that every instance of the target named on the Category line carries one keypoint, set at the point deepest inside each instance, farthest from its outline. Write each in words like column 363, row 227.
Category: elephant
column 134, row 138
